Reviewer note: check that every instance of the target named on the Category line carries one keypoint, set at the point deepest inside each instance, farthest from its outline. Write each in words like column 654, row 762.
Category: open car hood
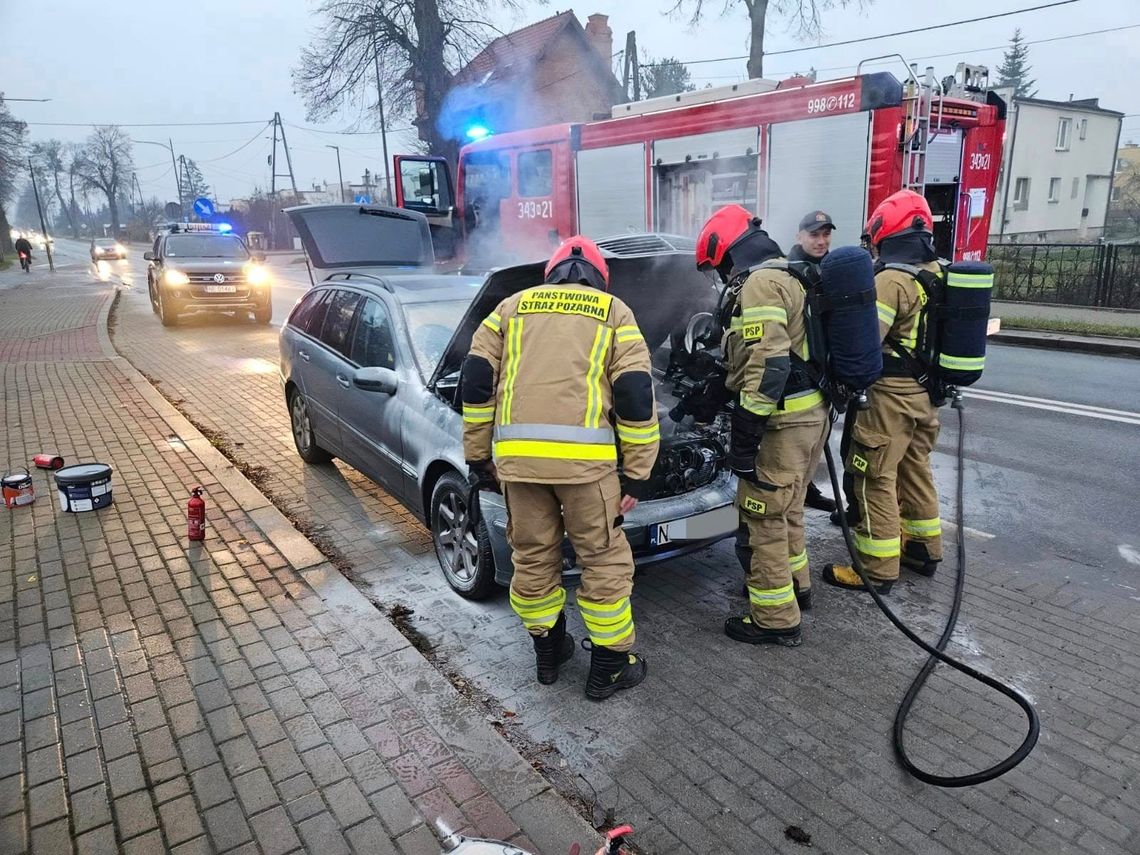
column 336, row 237
column 654, row 274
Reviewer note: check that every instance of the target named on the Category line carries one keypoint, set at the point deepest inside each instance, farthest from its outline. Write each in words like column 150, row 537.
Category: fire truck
column 778, row 148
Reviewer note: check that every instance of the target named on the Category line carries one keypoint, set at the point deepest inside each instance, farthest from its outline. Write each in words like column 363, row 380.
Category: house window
column 1054, row 189
column 1083, row 128
column 1021, row 194
column 1076, row 187
column 536, row 173
column 1064, row 134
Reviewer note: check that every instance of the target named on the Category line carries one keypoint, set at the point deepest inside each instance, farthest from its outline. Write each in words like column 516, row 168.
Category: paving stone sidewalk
column 724, row 746
column 157, row 696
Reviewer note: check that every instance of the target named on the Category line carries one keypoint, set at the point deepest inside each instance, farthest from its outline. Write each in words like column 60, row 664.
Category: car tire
column 301, row 424
column 473, row 576
column 167, row 310
column 264, row 314
column 150, row 294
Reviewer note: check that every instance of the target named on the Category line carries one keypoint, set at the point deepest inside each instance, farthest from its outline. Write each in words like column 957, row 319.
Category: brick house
column 552, row 71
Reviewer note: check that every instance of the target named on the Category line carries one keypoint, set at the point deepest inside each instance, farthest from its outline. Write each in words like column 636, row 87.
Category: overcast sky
column 130, row 62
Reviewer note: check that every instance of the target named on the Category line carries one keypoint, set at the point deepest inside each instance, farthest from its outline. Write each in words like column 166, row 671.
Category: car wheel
column 167, row 310
column 303, row 436
column 464, row 555
column 150, row 295
column 264, row 314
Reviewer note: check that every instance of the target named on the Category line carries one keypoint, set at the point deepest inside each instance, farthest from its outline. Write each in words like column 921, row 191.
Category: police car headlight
column 120, row 249
column 255, row 274
column 176, row 277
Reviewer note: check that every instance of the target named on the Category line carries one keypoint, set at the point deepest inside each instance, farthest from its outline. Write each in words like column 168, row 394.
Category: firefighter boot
column 552, row 649
column 611, row 670
column 915, row 556
column 844, row 576
column 743, row 629
column 816, row 499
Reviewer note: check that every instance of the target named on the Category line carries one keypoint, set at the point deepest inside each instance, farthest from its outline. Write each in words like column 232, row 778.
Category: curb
column 543, row 815
column 1073, row 344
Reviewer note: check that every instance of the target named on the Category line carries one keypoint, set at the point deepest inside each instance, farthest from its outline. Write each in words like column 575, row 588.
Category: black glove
column 482, row 474
column 747, row 431
column 636, row 489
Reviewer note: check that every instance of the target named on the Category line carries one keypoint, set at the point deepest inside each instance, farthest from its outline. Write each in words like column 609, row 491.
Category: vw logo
column 219, row 278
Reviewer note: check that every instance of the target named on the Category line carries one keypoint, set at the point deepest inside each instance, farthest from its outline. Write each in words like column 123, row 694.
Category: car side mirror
column 376, row 379
column 148, row 256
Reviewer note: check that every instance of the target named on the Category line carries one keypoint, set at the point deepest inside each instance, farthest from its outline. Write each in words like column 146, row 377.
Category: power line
column 140, row 124
column 348, row 133
column 248, row 142
column 884, row 35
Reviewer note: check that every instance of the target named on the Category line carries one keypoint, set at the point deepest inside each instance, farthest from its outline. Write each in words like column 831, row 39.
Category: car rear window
column 308, row 314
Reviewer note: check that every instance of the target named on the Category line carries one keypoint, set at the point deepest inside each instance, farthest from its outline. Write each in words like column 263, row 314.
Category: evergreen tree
column 665, row 76
column 193, row 182
column 1014, row 69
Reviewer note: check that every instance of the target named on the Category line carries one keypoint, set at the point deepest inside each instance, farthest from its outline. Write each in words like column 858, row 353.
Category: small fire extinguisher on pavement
column 196, row 515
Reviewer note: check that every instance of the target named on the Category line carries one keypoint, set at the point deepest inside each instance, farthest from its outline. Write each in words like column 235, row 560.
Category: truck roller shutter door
column 611, row 190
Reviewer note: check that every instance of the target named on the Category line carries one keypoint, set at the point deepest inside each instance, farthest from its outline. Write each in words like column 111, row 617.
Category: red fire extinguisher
column 196, row 515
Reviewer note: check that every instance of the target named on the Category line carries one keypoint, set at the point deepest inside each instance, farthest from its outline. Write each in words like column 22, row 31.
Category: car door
column 327, row 374
column 371, row 420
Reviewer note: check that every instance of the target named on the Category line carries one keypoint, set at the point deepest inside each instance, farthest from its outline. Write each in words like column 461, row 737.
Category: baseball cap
column 815, row 221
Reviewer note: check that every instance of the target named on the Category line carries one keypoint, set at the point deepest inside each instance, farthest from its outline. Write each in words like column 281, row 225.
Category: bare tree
column 804, row 16
column 13, row 137
column 51, row 155
column 418, row 44
column 106, row 165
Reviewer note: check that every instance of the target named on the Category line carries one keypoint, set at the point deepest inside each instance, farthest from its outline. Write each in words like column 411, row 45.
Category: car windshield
column 204, row 246
column 431, row 326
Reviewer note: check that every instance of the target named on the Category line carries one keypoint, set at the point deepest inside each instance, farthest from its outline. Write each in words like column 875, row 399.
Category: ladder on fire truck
column 919, row 97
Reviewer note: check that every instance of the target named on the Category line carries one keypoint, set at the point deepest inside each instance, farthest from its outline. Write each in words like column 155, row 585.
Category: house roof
column 1084, row 105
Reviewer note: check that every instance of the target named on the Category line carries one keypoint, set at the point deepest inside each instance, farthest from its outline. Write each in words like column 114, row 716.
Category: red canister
column 48, row 461
column 17, row 488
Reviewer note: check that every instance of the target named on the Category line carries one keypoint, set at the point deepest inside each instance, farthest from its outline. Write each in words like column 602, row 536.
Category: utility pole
column 383, row 130
column 169, row 145
column 43, row 225
column 279, row 125
column 631, row 69
column 339, row 174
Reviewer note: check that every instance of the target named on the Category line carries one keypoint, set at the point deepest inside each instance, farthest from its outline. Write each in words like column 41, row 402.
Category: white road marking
column 973, row 532
column 1129, row 553
column 1123, row 416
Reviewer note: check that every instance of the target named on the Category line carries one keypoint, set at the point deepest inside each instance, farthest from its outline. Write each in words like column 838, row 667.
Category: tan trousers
column 539, row 514
column 889, row 460
column 773, row 515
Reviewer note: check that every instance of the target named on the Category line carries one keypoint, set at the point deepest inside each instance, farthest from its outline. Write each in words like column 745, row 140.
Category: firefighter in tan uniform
column 889, row 454
column 557, row 378
column 778, row 421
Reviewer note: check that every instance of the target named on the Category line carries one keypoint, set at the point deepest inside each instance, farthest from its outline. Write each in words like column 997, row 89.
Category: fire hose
column 937, row 650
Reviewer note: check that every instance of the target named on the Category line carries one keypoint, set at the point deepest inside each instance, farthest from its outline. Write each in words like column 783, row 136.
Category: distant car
column 103, row 249
column 370, row 363
column 194, row 267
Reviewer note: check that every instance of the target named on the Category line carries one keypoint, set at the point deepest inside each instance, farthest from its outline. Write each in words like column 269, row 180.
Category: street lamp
column 339, row 174
column 177, row 178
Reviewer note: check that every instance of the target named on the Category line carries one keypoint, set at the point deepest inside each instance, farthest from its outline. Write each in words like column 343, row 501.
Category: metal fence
column 1106, row 275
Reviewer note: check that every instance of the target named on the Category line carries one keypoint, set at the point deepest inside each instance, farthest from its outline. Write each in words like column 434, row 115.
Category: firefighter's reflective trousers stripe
column 889, row 461
column 772, row 513
column 538, row 516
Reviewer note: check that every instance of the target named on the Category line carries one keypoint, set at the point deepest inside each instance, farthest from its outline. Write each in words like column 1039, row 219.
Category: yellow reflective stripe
column 970, row 280
column 554, row 450
column 735, row 323
column 886, row 313
column 801, row 401
column 594, row 375
column 542, row 612
column 756, row 405
column 607, row 623
column 772, row 597
column 889, row 548
column 478, row 415
column 798, row 561
column 638, row 435
column 764, row 313
column 922, row 528
column 511, row 371
column 961, row 363
column 910, row 341
column 628, row 333
column 493, row 321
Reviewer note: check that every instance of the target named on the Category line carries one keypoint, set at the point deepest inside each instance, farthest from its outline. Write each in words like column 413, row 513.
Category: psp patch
column 590, row 304
column 753, row 506
column 859, row 463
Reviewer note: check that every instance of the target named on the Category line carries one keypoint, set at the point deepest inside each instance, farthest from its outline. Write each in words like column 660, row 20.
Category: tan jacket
column 767, row 327
column 899, row 298
column 556, row 352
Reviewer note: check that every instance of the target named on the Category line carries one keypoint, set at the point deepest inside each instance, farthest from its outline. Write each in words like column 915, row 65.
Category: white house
column 1057, row 170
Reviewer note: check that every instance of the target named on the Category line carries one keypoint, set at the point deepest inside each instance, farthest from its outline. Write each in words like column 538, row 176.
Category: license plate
column 703, row 526
column 221, row 289
column 659, row 534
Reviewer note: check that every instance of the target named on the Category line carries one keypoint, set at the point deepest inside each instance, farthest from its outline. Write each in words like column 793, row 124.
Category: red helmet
column 578, row 259
column 720, row 232
column 901, row 212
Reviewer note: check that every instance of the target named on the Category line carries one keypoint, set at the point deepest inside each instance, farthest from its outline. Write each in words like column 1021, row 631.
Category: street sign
column 172, row 210
column 203, row 207
column 363, row 199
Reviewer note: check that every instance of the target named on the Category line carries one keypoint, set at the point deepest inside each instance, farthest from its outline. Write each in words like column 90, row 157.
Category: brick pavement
column 156, row 696
column 724, row 746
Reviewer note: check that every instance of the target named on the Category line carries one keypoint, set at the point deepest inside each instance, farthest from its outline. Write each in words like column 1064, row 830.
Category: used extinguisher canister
column 48, row 461
column 196, row 515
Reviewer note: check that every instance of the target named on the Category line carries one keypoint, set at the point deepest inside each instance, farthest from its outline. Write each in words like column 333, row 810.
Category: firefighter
column 888, row 457
column 813, row 241
column 555, row 375
column 778, row 421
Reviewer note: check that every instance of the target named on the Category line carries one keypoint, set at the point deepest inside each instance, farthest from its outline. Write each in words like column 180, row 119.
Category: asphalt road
column 1052, row 452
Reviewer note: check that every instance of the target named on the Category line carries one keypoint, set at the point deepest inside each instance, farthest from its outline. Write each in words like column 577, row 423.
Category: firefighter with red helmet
column 778, row 420
column 556, row 380
column 888, row 456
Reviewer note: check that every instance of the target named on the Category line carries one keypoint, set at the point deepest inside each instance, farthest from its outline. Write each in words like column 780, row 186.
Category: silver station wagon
column 370, row 362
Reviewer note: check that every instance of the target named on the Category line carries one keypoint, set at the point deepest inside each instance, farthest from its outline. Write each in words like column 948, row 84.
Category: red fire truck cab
column 664, row 165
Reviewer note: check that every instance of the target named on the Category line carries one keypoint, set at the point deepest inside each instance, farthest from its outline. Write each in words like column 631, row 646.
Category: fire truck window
column 689, row 193
column 486, row 181
column 424, row 184
column 536, row 173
